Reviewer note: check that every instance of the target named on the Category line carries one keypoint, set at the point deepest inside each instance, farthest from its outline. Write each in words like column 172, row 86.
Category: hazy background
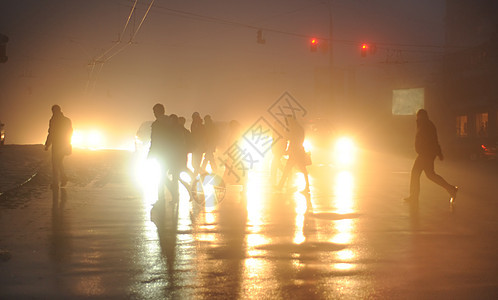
column 203, row 56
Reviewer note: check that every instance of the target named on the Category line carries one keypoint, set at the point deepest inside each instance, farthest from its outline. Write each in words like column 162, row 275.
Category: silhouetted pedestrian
column 297, row 154
column 159, row 146
column 278, row 151
column 60, row 131
column 211, row 141
column 197, row 140
column 187, row 139
column 427, row 148
column 176, row 155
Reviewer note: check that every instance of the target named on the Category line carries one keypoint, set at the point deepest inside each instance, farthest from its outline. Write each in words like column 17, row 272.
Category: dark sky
column 196, row 56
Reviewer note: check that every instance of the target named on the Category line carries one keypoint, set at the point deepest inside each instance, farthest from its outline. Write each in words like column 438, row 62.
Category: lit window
column 461, row 126
column 482, row 124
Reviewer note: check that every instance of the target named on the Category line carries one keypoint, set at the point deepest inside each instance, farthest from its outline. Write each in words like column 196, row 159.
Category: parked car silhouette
column 489, row 150
column 473, row 148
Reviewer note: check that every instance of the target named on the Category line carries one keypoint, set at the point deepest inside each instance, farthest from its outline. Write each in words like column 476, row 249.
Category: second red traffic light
column 364, row 49
column 313, row 44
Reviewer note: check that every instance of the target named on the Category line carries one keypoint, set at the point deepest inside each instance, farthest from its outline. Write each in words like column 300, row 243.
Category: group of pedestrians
column 171, row 142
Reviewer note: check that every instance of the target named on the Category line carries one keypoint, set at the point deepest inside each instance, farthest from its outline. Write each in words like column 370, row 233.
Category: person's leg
column 204, row 162
column 303, row 169
column 161, row 181
column 56, row 167
column 197, row 160
column 173, row 186
column 286, row 173
column 62, row 172
column 209, row 157
column 415, row 179
column 431, row 174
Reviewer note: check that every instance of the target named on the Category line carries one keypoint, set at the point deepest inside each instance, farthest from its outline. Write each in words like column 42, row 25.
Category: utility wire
column 118, row 42
column 105, row 57
column 205, row 18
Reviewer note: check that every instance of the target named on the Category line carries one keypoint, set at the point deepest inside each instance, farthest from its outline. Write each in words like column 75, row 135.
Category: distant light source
column 313, row 44
column 147, row 174
column 345, row 151
column 307, row 145
column 93, row 139
column 364, row 49
column 77, row 139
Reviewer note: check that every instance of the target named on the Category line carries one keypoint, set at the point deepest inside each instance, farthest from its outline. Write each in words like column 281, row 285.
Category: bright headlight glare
column 345, row 151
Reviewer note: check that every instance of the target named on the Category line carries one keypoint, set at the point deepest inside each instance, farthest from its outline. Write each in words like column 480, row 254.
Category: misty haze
column 325, row 149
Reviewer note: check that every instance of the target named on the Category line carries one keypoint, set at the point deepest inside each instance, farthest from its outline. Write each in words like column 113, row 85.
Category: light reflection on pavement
column 351, row 237
column 257, row 237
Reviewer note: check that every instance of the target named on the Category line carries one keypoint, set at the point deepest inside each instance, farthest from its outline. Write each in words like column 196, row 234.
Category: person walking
column 197, row 142
column 211, row 142
column 278, row 151
column 427, row 148
column 60, row 131
column 159, row 147
column 297, row 154
column 187, row 147
column 177, row 157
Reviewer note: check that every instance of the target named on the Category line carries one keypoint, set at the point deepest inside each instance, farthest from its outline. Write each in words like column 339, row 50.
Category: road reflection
column 254, row 239
column 61, row 239
column 344, row 202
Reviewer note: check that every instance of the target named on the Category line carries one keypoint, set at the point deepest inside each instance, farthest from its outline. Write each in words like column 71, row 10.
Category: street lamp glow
column 77, row 139
column 344, row 152
column 307, row 145
column 92, row 140
column 95, row 140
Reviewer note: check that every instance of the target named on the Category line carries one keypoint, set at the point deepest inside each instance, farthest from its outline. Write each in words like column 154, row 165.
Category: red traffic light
column 313, row 44
column 364, row 49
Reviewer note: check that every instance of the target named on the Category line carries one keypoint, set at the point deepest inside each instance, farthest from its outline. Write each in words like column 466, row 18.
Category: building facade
column 470, row 70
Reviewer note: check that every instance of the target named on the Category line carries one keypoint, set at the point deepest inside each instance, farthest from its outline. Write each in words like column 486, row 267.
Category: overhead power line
column 118, row 46
column 222, row 21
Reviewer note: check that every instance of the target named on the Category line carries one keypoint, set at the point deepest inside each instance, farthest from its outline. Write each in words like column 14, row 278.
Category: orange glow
column 257, row 203
column 344, row 192
column 89, row 139
column 300, row 181
column 314, row 41
column 345, row 151
column 148, row 172
column 307, row 145
column 343, row 266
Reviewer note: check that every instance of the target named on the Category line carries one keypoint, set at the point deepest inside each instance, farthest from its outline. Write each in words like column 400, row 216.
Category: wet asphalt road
column 352, row 238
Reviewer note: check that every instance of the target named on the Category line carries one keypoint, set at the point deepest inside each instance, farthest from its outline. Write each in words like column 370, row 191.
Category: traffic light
column 364, row 49
column 3, row 44
column 313, row 44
